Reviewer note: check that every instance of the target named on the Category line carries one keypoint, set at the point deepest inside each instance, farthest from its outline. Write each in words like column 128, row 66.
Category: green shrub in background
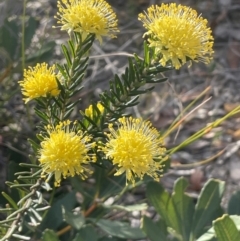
column 204, row 221
column 104, row 153
column 18, row 48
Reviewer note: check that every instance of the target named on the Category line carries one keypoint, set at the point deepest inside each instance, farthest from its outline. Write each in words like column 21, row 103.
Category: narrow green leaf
column 62, row 71
column 146, row 54
column 140, row 92
column 225, row 229
column 71, row 105
column 132, row 101
column 208, row 206
column 74, row 92
column 21, row 237
column 76, row 82
column 33, row 144
column 10, row 200
column 184, row 207
column 137, row 74
column 29, row 165
column 83, row 50
column 79, row 66
column 109, row 98
column 154, row 230
column 67, row 55
column 68, row 113
column 125, row 79
column 71, row 47
column 41, row 114
column 154, row 81
column 119, row 84
column 131, row 72
column 49, row 235
column 116, row 95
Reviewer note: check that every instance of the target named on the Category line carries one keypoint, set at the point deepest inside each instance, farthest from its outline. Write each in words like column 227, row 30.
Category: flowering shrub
column 104, row 152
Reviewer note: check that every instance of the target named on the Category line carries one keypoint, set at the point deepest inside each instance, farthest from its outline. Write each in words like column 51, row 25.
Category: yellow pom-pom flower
column 134, row 148
column 39, row 81
column 65, row 153
column 178, row 34
column 87, row 17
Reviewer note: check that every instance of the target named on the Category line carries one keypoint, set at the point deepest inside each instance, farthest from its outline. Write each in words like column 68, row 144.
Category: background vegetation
column 27, row 37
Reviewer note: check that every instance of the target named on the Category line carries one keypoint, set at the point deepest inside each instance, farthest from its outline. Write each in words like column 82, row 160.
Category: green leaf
column 67, row 55
column 234, row 204
column 208, row 206
column 236, row 220
column 30, row 29
column 225, row 229
column 43, row 54
column 163, row 204
column 120, row 229
column 154, row 230
column 10, row 200
column 208, row 236
column 87, row 233
column 49, row 235
column 54, row 217
column 132, row 101
column 184, row 207
column 76, row 221
column 154, row 81
column 9, row 35
column 108, row 185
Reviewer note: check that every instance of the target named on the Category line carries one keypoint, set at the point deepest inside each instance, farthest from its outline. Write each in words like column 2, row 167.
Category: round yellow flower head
column 178, row 34
column 89, row 111
column 133, row 148
column 87, row 16
column 38, row 82
column 65, row 152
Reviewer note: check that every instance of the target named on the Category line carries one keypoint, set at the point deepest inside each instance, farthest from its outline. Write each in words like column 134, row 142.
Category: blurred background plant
column 22, row 43
column 27, row 38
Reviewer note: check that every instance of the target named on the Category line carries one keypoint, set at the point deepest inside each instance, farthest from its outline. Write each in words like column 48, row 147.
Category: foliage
column 73, row 186
column 182, row 220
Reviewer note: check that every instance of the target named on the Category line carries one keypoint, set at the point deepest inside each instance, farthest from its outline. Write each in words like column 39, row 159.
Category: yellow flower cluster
column 65, row 152
column 87, row 17
column 134, row 147
column 39, row 81
column 178, row 34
